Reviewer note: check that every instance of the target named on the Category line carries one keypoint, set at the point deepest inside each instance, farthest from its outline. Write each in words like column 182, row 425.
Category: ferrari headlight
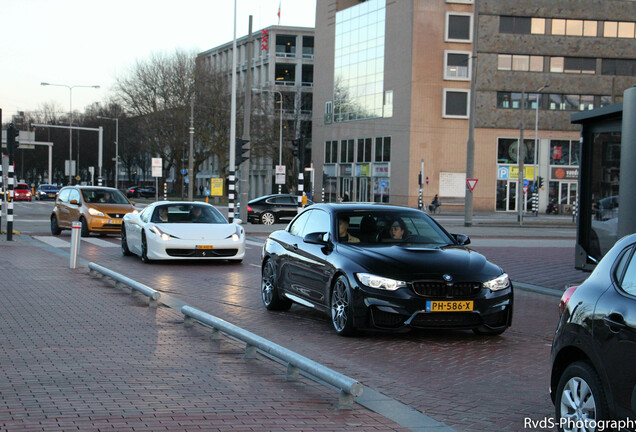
column 378, row 282
column 499, row 283
column 163, row 235
column 94, row 212
column 237, row 235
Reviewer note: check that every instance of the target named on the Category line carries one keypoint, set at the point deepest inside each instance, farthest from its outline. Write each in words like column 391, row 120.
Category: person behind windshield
column 108, row 198
column 197, row 214
column 398, row 230
column 163, row 214
column 343, row 234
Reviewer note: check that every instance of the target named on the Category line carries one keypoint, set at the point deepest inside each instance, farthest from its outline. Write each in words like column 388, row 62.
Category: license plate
column 51, row 195
column 204, row 247
column 449, row 306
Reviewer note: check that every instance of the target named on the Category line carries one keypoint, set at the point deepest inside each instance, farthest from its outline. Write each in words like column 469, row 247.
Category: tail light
column 249, row 209
column 565, row 298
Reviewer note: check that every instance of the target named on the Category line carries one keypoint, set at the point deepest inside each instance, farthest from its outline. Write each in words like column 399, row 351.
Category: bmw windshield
column 392, row 227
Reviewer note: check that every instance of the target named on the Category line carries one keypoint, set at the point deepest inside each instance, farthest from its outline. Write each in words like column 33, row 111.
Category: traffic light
column 295, row 145
column 540, row 182
column 242, row 151
column 12, row 143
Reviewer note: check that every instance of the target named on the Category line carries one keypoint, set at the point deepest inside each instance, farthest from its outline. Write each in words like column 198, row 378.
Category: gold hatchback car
column 99, row 209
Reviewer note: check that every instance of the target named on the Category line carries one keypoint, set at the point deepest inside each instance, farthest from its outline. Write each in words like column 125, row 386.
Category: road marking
column 53, row 241
column 98, row 242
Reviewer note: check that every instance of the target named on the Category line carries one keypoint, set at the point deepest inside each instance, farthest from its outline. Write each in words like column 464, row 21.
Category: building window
column 503, row 100
column 388, row 104
column 331, row 152
column 285, row 46
column 573, row 65
column 458, row 27
column 285, row 74
column 457, row 65
column 515, row 25
column 328, row 112
column 537, row 26
column 623, row 67
column 520, row 63
column 612, row 29
column 346, row 151
column 455, row 103
column 359, row 62
column 508, row 148
column 383, row 149
column 364, row 150
column 308, row 47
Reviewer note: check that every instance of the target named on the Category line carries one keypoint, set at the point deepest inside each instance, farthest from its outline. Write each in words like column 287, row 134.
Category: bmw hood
column 409, row 263
column 197, row 231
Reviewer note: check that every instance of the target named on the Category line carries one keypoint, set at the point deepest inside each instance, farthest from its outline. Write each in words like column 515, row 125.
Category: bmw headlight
column 163, row 235
column 499, row 283
column 378, row 282
column 94, row 212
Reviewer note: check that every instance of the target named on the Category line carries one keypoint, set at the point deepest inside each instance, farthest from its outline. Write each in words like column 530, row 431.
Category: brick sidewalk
column 79, row 354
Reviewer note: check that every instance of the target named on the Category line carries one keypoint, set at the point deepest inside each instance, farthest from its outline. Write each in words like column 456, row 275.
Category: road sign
column 471, row 183
column 525, row 189
column 156, row 162
column 184, row 171
column 216, row 187
column 426, row 180
column 280, row 174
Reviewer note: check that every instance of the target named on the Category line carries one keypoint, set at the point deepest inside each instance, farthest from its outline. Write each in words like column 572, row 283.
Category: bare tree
column 158, row 93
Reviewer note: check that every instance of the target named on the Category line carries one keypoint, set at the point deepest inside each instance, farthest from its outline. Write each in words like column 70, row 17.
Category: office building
column 392, row 94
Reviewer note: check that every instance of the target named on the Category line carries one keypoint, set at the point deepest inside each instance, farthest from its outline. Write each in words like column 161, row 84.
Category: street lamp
column 70, row 121
column 280, row 132
column 536, row 138
column 116, row 120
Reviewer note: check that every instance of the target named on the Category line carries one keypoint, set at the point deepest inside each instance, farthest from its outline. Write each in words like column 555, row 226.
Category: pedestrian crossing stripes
column 61, row 243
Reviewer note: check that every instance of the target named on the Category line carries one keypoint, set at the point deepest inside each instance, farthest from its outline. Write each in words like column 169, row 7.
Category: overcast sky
column 89, row 42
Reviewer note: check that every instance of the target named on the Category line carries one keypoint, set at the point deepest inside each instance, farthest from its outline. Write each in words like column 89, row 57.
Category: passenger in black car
column 398, row 230
column 343, row 233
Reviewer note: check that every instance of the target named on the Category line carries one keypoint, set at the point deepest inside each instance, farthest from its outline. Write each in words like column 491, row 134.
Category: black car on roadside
column 140, row 191
column 372, row 266
column 593, row 380
column 270, row 209
column 46, row 191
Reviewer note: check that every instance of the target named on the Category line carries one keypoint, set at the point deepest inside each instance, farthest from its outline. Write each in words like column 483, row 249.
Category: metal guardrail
column 349, row 388
column 153, row 296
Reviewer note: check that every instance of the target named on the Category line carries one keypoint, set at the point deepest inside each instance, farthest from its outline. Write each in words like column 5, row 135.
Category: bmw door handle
column 615, row 322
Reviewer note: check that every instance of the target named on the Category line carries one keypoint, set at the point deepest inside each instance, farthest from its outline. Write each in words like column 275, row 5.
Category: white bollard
column 75, row 243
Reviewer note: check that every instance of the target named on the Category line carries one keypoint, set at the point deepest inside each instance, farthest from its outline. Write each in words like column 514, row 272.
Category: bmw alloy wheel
column 341, row 315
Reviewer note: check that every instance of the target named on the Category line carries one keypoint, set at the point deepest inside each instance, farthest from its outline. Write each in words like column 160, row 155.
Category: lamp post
column 280, row 131
column 536, row 138
column 70, row 121
column 116, row 120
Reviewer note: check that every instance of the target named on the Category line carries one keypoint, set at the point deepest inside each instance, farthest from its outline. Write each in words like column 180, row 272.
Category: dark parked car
column 594, row 348
column 270, row 209
column 140, row 191
column 383, row 267
column 46, row 191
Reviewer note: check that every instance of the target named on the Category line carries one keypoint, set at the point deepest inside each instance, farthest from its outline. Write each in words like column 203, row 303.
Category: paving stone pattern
column 78, row 355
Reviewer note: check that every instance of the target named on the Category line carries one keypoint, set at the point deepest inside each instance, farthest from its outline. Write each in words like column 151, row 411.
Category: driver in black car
column 343, row 234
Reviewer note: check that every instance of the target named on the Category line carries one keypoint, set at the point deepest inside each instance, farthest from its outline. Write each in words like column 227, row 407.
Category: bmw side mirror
column 319, row 238
column 462, row 239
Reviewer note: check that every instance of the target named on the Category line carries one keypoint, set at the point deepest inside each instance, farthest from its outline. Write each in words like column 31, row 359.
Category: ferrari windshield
column 187, row 213
column 405, row 227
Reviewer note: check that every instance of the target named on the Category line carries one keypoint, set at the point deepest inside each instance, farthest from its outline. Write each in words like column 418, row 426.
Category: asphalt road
column 468, row 382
